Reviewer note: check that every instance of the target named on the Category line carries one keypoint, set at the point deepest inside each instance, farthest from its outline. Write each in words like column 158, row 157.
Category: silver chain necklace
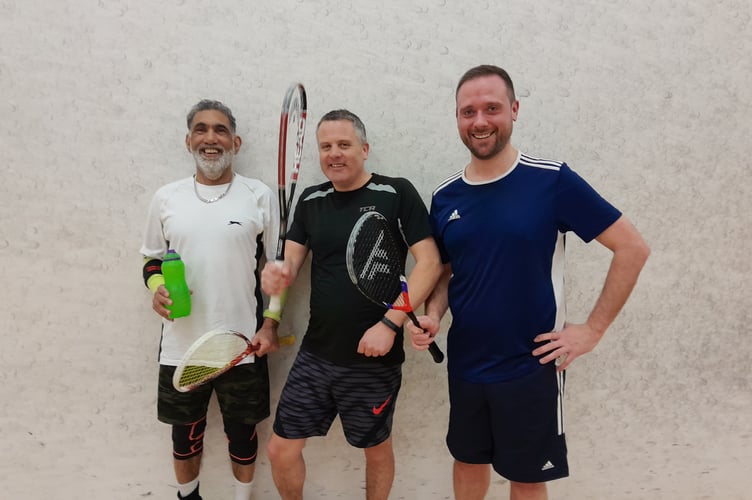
column 216, row 198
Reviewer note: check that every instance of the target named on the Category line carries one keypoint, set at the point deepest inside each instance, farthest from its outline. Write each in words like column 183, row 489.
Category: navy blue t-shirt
column 505, row 241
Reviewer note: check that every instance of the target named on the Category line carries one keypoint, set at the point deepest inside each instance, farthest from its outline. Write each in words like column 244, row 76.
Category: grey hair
column 343, row 114
column 207, row 104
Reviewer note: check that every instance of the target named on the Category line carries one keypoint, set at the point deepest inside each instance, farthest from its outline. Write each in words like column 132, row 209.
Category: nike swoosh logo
column 378, row 410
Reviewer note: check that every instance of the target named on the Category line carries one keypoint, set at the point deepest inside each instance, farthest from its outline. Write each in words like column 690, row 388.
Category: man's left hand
column 566, row 345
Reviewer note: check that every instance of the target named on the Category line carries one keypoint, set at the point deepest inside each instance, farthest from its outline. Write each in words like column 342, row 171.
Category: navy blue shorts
column 317, row 391
column 516, row 426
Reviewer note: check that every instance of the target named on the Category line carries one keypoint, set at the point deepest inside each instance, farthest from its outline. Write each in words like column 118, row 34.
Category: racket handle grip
column 436, row 353
column 275, row 301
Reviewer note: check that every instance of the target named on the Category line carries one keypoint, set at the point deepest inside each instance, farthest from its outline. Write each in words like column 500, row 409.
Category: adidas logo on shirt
column 455, row 215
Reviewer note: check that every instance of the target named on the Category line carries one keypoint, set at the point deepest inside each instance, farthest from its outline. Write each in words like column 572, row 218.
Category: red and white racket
column 291, row 134
column 210, row 356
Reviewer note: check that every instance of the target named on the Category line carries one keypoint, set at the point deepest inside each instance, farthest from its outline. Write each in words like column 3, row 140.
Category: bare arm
column 436, row 306
column 437, row 302
column 630, row 252
column 423, row 277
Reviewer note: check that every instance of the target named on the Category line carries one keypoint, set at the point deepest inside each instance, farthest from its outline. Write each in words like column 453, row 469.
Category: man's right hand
column 161, row 299
column 422, row 338
column 275, row 277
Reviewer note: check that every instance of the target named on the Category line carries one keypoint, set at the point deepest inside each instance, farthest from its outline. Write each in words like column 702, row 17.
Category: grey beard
column 213, row 170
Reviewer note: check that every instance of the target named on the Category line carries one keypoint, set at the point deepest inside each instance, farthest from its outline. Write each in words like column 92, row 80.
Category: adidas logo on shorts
column 548, row 465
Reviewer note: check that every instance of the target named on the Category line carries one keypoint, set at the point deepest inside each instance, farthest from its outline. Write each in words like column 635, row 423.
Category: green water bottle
column 173, row 271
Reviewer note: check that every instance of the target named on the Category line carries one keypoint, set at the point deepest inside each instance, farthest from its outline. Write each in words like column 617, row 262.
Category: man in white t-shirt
column 221, row 224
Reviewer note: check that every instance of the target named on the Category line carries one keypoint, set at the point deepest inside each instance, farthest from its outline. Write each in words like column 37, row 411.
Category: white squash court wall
column 649, row 100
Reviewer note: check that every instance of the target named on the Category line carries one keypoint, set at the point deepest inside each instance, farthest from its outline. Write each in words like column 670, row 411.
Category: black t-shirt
column 339, row 313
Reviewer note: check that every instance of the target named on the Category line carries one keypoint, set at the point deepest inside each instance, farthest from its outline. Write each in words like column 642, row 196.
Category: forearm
column 423, row 277
column 437, row 302
column 270, row 323
column 295, row 255
column 621, row 279
column 421, row 283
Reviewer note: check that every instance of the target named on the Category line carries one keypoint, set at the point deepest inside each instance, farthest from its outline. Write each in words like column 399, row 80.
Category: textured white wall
column 649, row 100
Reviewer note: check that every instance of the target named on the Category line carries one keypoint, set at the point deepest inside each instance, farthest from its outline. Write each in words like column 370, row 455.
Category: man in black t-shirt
column 350, row 358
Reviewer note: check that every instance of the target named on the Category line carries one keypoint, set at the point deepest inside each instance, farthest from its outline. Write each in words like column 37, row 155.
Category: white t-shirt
column 219, row 244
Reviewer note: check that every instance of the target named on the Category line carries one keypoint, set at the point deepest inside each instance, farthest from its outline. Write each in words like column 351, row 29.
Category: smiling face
column 342, row 155
column 213, row 145
column 485, row 115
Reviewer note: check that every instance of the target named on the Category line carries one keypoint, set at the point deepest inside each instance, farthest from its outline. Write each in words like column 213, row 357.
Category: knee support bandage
column 242, row 442
column 188, row 440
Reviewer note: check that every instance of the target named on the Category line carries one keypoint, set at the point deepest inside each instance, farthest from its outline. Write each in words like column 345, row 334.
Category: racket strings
column 293, row 132
column 374, row 256
column 217, row 353
column 193, row 374
column 218, row 350
column 292, row 126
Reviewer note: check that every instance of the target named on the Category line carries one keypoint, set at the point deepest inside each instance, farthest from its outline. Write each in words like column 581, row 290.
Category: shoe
column 193, row 496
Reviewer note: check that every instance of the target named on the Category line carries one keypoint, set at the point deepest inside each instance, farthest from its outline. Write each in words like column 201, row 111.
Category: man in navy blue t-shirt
column 500, row 225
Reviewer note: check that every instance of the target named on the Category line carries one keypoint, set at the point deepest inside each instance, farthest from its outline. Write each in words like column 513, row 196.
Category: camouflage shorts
column 242, row 394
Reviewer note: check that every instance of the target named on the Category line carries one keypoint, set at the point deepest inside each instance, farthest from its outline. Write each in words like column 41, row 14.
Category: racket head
column 210, row 356
column 292, row 123
column 374, row 262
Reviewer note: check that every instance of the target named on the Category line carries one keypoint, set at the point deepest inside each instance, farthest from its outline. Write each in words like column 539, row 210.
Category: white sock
column 186, row 489
column 243, row 490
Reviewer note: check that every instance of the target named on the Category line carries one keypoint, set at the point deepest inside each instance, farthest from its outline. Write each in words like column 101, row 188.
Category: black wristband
column 388, row 322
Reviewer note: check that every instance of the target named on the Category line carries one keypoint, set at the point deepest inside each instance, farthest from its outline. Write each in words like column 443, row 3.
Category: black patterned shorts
column 242, row 394
column 316, row 391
